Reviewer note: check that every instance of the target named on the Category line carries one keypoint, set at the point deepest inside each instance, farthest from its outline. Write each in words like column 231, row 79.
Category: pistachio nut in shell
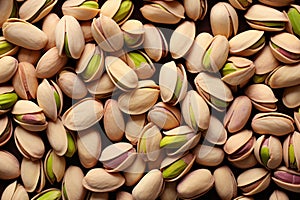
column 163, row 12
column 51, row 194
column 208, row 155
column 72, row 187
column 14, row 191
column 32, row 175
column 224, row 20
column 10, row 166
column 290, row 96
column 247, row 43
column 107, row 33
column 118, row 10
column 24, row 34
column 69, row 37
column 268, row 151
column 240, row 4
column 135, row 171
column 216, row 133
column 141, row 99
column 172, row 82
column 30, row 56
column 7, row 98
column 238, row 114
column 101, row 88
column 265, row 18
column 56, row 130
column 123, row 195
column 182, row 39
column 169, row 192
column 33, row 11
column 273, row 123
column 285, row 47
column 225, row 183
column 83, row 114
column 195, row 9
column 7, row 48
column 117, row 156
column 25, row 81
column 134, row 126
column 133, row 32
column 287, row 179
column 291, row 154
column 213, row 90
column 6, row 129
column 195, row 184
column 278, row 195
column 81, row 9
column 49, row 22
column 99, row 180
column 29, row 115
column 6, row 10
column 277, row 3
column 293, row 15
column 253, row 181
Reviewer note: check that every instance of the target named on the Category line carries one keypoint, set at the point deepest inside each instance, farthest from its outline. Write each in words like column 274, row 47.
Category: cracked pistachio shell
column 36, row 120
column 268, row 151
column 163, row 12
column 141, row 99
column 50, row 63
column 71, row 84
column 262, row 97
column 50, row 21
column 155, row 44
column 195, row 9
column 172, row 82
column 91, row 63
column 225, row 183
column 293, row 16
column 213, row 90
column 25, row 81
column 29, row 144
column 207, row 155
column 265, row 18
column 112, row 9
column 6, row 129
column 253, row 181
column 240, row 145
column 224, row 20
column 285, row 47
column 195, row 184
column 50, row 99
column 278, row 195
column 24, row 34
column 264, row 61
column 6, row 8
column 272, row 123
column 89, row 146
column 182, row 39
column 72, row 184
column 69, row 38
column 107, row 33
column 123, row 195
column 9, row 166
column 77, row 9
column 30, row 56
column 14, row 191
column 134, row 126
column 169, row 192
column 240, row 4
column 118, row 156
column 120, row 73
column 277, row 3
column 238, row 71
column 291, row 155
column 56, row 130
column 32, row 175
column 133, row 32
column 238, row 114
column 216, row 133
column 135, row 171
column 247, row 43
column 195, row 111
column 6, row 48
column 54, row 167
column 8, row 67
column 287, row 179
column 164, row 116
column 33, row 11
column 99, row 180
column 148, row 143
column 290, row 96
column 51, row 194
column 101, row 88
column 83, row 114
column 142, row 191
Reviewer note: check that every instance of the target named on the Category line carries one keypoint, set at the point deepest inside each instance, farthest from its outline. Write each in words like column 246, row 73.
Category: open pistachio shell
column 278, row 195
column 51, row 193
column 291, row 155
column 8, row 92
column 135, row 171
column 287, row 179
column 264, row 61
column 32, row 175
column 225, row 183
column 9, row 166
column 195, row 184
column 133, row 31
column 195, row 9
column 134, row 126
column 29, row 144
column 77, row 9
column 54, row 167
column 245, row 163
column 101, row 88
column 5, row 10
column 216, row 133
column 290, row 96
column 83, row 114
column 7, row 48
column 8, row 67
column 49, row 22
column 14, row 191
column 99, row 180
column 112, row 9
column 6, row 129
column 253, row 181
column 56, row 130
column 207, row 155
column 240, row 4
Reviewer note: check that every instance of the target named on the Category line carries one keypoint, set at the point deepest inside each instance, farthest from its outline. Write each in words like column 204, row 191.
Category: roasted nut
column 195, row 9
column 225, row 183
column 290, row 151
column 207, row 155
column 287, row 179
column 82, row 9
column 119, row 10
column 10, row 166
column 14, row 191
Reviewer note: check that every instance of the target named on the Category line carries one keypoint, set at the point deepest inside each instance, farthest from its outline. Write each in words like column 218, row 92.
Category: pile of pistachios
column 128, row 99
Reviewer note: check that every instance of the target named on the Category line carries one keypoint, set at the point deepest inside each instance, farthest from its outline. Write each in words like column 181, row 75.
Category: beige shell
column 135, row 171
column 290, row 96
column 134, row 30
column 245, row 163
column 111, row 7
column 292, row 139
column 216, row 133
column 101, row 88
column 56, row 130
column 207, row 155
column 86, row 30
column 30, row 56
column 123, row 195
column 195, row 9
column 58, row 167
column 285, row 185
column 80, row 13
column 6, row 129
column 195, row 184
column 99, row 180
column 14, row 191
column 134, row 126
column 8, row 67
column 83, row 114
column 265, row 62
column 9, row 166
column 225, row 183
column 49, row 22
column 277, row 3
column 169, row 192
column 278, row 195
column 5, row 10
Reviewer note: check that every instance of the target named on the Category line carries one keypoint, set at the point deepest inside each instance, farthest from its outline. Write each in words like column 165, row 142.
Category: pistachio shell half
column 216, row 133
column 14, row 191
column 287, row 179
column 8, row 67
column 81, row 9
column 54, row 167
column 291, row 154
column 133, row 31
column 9, row 166
column 290, row 97
column 225, row 183
column 207, row 155
column 118, row 10
column 195, row 9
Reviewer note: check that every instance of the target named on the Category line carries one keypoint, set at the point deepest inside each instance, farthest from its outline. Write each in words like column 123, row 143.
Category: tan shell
column 133, row 29
column 245, row 163
column 8, row 67
column 122, row 195
column 290, row 96
column 265, row 62
column 5, row 10
column 134, row 126
column 86, row 30
column 6, row 129
column 195, row 184
column 83, row 114
column 9, row 166
column 49, row 22
column 208, row 155
column 194, row 9
column 216, row 133
column 142, row 191
column 287, row 186
column 278, row 195
column 80, row 13
column 14, row 191
column 56, row 130
column 277, row 3
column 58, row 167
column 294, row 140
column 169, row 192
column 32, row 175
column 225, row 183
column 135, row 171
column 111, row 7
column 30, row 56
column 237, row 4
column 272, row 123
column 99, row 180
column 101, row 88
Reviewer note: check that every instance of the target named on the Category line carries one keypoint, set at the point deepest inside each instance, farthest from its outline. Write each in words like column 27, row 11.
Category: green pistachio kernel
column 49, row 164
column 175, row 169
column 206, row 59
column 175, row 141
column 259, row 43
column 7, row 100
column 90, row 4
column 92, row 67
column 294, row 17
column 142, row 145
column 218, row 102
column 265, row 155
column 259, row 78
column 32, row 118
column 292, row 159
column 131, row 40
column 57, row 99
column 270, row 24
column 51, row 195
column 5, row 47
column 228, row 69
column 67, row 50
column 137, row 58
column 71, row 145
column 123, row 11
column 177, row 89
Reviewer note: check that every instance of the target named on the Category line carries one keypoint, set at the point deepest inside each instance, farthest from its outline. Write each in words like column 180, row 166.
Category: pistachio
column 290, row 95
column 169, row 192
column 216, row 132
column 50, row 21
column 277, row 3
column 134, row 126
column 30, row 56
column 10, row 167
column 225, row 183
column 56, row 130
column 284, row 76
column 287, row 179
column 6, row 129
column 54, row 167
column 207, row 155
column 135, row 171
column 294, row 15
column 14, row 191
column 141, row 64
column 240, row 4
column 7, row 48
column 101, row 88
column 290, row 151
column 133, row 31
column 49, row 194
column 72, row 147
column 6, row 10
column 278, row 194
column 81, row 10
column 7, row 100
column 194, row 9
